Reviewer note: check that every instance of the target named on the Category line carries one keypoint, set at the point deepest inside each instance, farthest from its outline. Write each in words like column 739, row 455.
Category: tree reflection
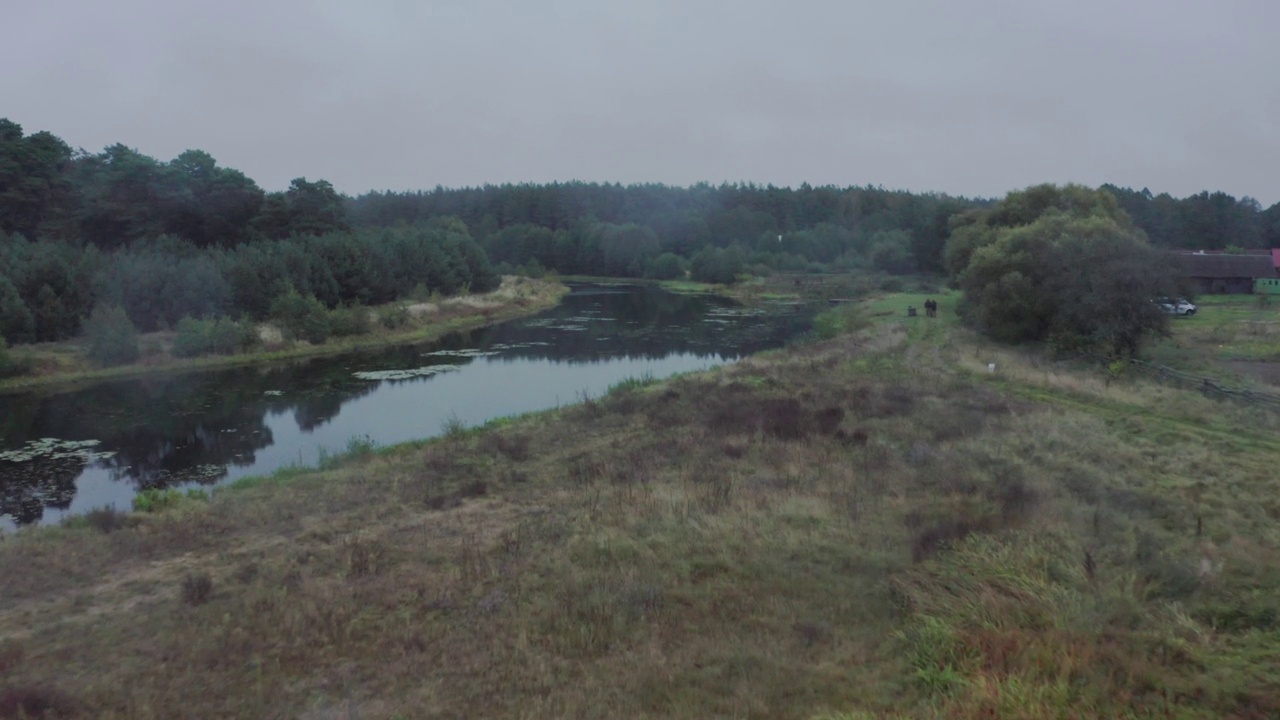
column 27, row 488
column 166, row 429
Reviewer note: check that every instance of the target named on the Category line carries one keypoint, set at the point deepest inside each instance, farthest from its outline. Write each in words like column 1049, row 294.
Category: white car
column 1178, row 306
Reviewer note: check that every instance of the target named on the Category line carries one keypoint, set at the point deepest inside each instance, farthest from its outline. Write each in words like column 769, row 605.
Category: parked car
column 1176, row 306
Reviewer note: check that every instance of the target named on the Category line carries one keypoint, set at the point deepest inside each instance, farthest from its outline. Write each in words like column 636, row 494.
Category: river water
column 66, row 451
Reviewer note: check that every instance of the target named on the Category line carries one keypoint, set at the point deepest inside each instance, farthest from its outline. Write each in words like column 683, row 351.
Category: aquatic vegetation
column 56, row 449
column 407, row 374
column 465, row 353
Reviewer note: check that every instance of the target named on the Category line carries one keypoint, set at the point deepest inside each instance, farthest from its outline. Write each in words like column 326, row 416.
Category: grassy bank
column 67, row 362
column 1233, row 337
column 788, row 286
column 873, row 526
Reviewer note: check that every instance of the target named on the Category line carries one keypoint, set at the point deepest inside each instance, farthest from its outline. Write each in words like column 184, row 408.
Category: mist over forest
column 187, row 238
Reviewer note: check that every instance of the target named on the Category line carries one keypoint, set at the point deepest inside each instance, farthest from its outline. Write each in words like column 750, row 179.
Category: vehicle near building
column 1176, row 306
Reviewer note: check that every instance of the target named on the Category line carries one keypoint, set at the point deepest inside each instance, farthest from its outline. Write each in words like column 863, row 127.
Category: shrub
column 716, row 265
column 532, row 269
column 105, row 519
column 301, row 316
column 667, row 266
column 111, row 335
column 365, row 556
column 11, row 364
column 453, row 426
column 205, row 337
column 156, row 499
column 345, row 322
column 197, row 588
column 892, row 284
column 394, row 317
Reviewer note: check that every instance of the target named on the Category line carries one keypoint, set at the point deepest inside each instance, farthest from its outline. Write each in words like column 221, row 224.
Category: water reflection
column 204, row 428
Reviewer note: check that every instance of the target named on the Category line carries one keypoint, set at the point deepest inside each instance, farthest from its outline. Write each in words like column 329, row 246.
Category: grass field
column 1236, row 337
column 871, row 526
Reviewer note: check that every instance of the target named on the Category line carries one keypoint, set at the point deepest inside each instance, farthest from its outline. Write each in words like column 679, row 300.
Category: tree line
column 47, row 289
column 659, row 231
column 1204, row 221
column 188, row 238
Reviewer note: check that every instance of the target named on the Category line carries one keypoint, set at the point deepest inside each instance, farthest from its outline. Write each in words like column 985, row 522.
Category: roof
column 1227, row 266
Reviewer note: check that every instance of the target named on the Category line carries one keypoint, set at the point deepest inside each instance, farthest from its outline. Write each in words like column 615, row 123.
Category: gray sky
column 976, row 97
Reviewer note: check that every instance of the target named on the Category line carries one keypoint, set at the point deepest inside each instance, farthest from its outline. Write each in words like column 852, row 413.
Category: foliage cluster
column 220, row 336
column 118, row 196
column 47, row 289
column 1203, row 221
column 12, row 364
column 154, row 500
column 651, row 230
column 1063, row 264
column 112, row 337
column 187, row 238
column 567, row 226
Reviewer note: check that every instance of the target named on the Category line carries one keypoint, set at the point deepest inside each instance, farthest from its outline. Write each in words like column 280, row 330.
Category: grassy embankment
column 873, row 526
column 783, row 286
column 68, row 362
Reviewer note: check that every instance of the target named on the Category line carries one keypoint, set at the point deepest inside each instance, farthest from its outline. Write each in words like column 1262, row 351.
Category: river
column 66, row 451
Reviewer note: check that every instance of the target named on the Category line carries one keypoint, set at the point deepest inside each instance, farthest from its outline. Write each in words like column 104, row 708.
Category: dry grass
column 871, row 527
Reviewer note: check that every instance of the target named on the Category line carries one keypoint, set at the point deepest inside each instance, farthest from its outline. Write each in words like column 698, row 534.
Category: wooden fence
column 1208, row 386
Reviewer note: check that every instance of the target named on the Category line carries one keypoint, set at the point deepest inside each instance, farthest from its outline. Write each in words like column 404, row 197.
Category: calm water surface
column 65, row 452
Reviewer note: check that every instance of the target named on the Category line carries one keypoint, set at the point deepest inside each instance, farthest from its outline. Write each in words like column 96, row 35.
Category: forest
column 188, row 240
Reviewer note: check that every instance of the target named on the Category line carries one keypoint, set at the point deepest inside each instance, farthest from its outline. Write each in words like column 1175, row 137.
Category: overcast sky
column 970, row 97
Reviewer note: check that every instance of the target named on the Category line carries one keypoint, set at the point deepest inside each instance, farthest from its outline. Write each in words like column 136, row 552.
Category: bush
column 345, row 322
column 301, row 317
column 532, row 269
column 212, row 337
column 892, row 284
column 393, row 317
column 155, row 499
column 667, row 266
column 716, row 265
column 111, row 335
column 106, row 519
column 197, row 588
column 12, row 365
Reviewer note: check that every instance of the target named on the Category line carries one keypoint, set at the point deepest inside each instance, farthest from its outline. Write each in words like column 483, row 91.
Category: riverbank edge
column 744, row 292
column 687, row 287
column 478, row 319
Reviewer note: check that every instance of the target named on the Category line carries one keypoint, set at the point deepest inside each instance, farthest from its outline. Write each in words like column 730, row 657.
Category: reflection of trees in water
column 325, row 400
column 649, row 324
column 201, row 453
column 192, row 427
column 165, row 429
column 27, row 488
